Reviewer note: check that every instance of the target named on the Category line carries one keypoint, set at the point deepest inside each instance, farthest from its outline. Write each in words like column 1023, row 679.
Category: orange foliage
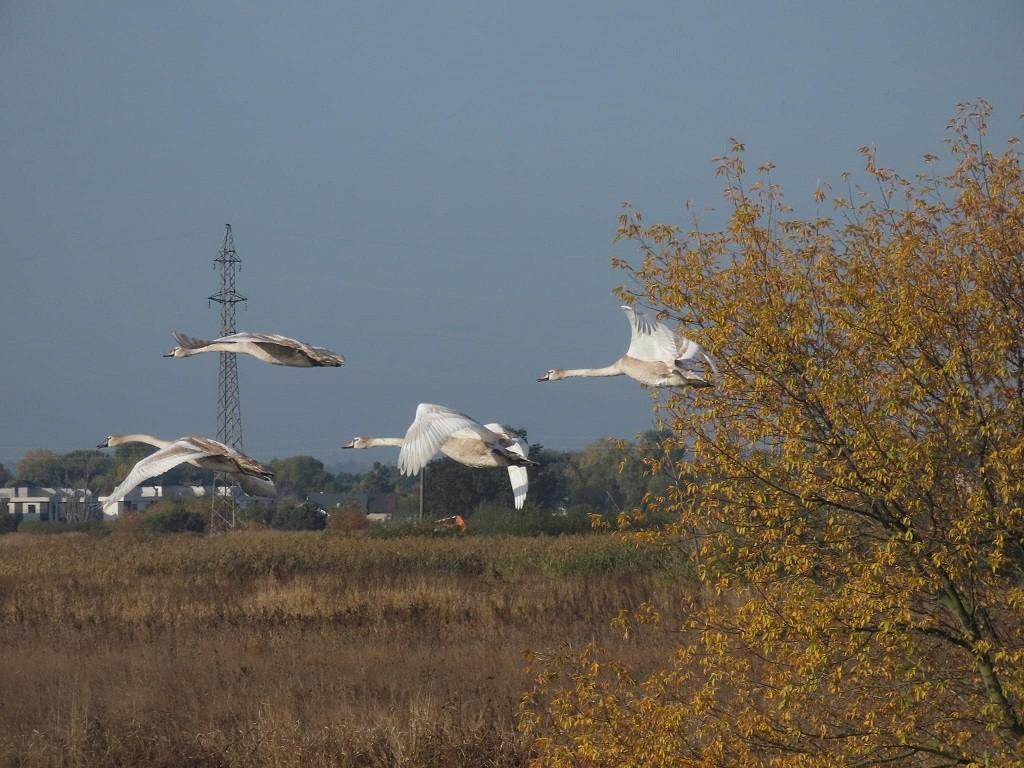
column 860, row 527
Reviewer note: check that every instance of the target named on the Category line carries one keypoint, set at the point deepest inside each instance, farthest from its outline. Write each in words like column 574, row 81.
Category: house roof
column 32, row 492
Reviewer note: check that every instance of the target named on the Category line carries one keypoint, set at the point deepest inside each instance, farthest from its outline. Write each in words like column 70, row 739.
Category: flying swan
column 255, row 479
column 655, row 357
column 268, row 347
column 461, row 438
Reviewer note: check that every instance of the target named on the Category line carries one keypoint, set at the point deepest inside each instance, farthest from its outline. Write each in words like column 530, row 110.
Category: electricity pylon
column 229, row 405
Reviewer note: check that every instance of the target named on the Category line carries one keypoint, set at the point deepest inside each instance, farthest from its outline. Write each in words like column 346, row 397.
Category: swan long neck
column 218, row 347
column 611, row 370
column 148, row 439
column 376, row 442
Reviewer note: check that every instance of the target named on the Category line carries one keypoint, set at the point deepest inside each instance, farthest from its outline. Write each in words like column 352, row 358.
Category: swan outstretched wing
column 711, row 362
column 266, row 340
column 325, row 356
column 650, row 340
column 190, row 342
column 520, row 484
column 517, row 475
column 691, row 350
column 433, row 425
column 244, row 464
column 270, row 340
column 319, row 354
column 260, row 338
column 155, row 464
column 520, row 480
column 653, row 341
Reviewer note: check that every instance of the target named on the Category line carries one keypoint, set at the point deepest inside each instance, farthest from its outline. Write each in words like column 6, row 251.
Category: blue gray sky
column 430, row 189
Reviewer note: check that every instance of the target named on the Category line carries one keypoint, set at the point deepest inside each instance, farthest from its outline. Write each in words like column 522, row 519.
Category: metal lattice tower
column 229, row 407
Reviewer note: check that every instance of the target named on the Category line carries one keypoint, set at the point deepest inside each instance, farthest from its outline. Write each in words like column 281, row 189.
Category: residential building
column 44, row 504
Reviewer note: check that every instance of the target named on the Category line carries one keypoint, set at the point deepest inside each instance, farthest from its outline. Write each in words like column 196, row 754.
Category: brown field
column 299, row 649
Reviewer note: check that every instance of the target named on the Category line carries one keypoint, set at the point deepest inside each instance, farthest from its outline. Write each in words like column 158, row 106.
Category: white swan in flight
column 255, row 479
column 461, row 438
column 268, row 347
column 655, row 357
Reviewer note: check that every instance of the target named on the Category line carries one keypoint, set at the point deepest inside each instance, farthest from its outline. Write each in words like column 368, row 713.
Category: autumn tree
column 614, row 475
column 169, row 516
column 548, row 486
column 82, row 468
column 450, row 488
column 380, row 478
column 297, row 516
column 860, row 531
column 300, row 475
column 39, row 466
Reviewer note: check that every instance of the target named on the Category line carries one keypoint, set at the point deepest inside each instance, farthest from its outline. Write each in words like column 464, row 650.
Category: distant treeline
column 608, row 476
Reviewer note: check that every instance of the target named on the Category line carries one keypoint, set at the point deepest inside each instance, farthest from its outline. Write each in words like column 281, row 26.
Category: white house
column 36, row 502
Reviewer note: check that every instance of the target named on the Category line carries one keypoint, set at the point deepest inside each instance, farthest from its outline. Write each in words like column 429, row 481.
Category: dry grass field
column 304, row 649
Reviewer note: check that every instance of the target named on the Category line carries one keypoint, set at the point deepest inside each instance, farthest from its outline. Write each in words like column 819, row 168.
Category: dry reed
column 298, row 649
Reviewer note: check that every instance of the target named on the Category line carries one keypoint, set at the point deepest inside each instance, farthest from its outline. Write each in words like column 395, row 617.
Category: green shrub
column 257, row 514
column 284, row 516
column 173, row 520
column 9, row 521
column 347, row 518
column 492, row 519
column 298, row 517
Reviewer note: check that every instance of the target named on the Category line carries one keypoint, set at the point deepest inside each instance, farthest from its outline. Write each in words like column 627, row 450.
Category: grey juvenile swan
column 255, row 479
column 461, row 438
column 268, row 347
column 654, row 357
